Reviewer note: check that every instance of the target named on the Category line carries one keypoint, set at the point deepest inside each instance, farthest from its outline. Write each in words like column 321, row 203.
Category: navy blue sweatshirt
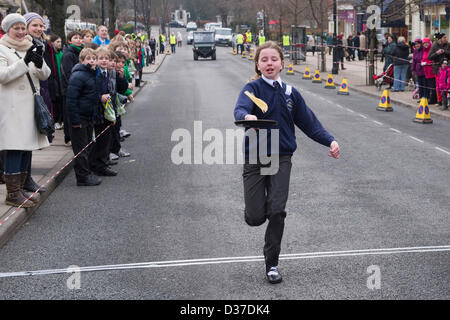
column 286, row 110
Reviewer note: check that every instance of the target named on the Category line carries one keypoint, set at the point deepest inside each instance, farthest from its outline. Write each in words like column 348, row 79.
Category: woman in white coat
column 19, row 135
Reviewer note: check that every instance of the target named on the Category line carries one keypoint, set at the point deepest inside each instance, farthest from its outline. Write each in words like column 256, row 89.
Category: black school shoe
column 106, row 172
column 89, row 181
column 274, row 276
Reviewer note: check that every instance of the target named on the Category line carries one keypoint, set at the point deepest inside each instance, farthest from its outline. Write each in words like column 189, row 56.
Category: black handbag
column 42, row 116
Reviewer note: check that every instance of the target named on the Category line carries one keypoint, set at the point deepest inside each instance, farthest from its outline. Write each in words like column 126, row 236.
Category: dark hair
column 91, row 45
column 120, row 55
column 53, row 37
column 73, row 34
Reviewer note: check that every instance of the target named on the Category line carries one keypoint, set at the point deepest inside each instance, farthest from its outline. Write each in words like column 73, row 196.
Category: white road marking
column 379, row 123
column 395, row 130
column 362, row 116
column 193, row 262
column 339, row 106
column 349, row 110
column 414, row 138
column 445, row 151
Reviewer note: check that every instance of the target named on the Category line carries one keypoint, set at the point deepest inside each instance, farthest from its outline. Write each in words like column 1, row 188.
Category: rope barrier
column 53, row 177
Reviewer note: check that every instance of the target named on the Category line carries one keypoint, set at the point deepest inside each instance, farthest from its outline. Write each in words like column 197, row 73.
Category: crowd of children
column 98, row 83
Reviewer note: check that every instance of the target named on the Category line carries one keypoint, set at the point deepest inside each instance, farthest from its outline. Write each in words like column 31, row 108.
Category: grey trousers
column 265, row 198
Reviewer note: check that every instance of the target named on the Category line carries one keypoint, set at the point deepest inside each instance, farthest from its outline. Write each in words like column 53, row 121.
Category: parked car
column 175, row 24
column 190, row 37
column 191, row 26
column 204, row 45
column 223, row 36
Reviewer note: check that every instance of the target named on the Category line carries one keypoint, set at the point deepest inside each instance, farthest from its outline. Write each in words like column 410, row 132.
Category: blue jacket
column 83, row 94
column 286, row 110
column 99, row 42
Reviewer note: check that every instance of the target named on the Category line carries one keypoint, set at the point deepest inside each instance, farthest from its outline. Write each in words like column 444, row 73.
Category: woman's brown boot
column 34, row 197
column 14, row 195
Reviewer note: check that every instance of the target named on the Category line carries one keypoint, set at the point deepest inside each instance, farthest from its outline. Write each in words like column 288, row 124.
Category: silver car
column 190, row 37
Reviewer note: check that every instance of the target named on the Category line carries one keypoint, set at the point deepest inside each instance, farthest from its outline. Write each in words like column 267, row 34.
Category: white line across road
column 418, row 140
column 440, row 149
column 210, row 261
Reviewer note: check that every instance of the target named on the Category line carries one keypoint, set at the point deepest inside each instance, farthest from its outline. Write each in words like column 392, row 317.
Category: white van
column 210, row 26
column 223, row 36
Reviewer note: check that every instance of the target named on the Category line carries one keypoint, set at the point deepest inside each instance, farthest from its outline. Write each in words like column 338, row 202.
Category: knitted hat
column 12, row 19
column 30, row 16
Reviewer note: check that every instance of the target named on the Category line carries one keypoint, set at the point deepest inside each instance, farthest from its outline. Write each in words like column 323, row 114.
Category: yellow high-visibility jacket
column 249, row 37
column 240, row 39
column 286, row 41
column 262, row 40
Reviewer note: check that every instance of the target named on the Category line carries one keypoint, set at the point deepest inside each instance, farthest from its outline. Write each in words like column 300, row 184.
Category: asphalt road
column 388, row 190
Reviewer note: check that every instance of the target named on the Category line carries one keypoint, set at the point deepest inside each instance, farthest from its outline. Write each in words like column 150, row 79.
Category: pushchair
column 387, row 77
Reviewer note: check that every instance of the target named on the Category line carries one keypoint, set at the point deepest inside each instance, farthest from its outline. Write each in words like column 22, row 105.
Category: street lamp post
column 335, row 69
column 103, row 12
column 135, row 18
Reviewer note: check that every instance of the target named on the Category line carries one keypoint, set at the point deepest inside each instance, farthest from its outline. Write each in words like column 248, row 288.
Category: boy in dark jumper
column 118, row 85
column 70, row 58
column 266, row 195
column 81, row 100
column 99, row 155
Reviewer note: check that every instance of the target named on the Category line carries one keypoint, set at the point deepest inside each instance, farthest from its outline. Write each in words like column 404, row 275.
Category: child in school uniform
column 443, row 83
column 266, row 195
column 82, row 100
column 118, row 85
column 99, row 155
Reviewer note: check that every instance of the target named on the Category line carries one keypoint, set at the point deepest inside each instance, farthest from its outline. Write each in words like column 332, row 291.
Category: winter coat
column 18, row 130
column 438, row 58
column 427, row 68
column 443, row 80
column 416, row 62
column 54, row 81
column 69, row 60
column 362, row 42
column 83, row 95
column 356, row 42
column 388, row 54
column 401, row 54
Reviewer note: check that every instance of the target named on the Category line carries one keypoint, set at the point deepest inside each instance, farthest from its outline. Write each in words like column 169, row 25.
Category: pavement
column 49, row 168
column 356, row 74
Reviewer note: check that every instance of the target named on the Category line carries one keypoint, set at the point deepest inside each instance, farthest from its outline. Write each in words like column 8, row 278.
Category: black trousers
column 99, row 155
column 265, row 199
column 115, row 136
column 81, row 137
column 2, row 165
column 66, row 120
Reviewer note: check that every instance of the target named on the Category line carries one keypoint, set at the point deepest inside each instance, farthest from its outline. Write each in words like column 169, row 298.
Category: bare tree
column 319, row 11
column 146, row 12
column 55, row 11
column 112, row 17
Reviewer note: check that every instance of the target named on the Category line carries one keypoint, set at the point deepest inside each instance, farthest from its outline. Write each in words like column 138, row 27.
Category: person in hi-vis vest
column 261, row 38
column 162, row 40
column 286, row 43
column 248, row 34
column 173, row 41
column 240, row 43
